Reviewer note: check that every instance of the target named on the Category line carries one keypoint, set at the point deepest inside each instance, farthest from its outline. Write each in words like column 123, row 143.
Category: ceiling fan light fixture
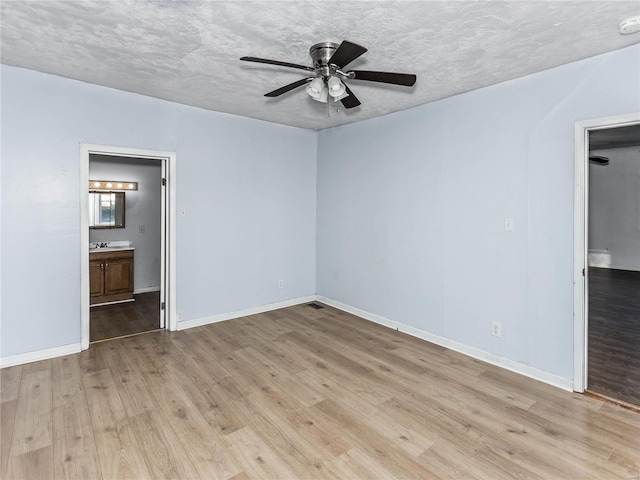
column 317, row 90
column 336, row 87
column 329, row 62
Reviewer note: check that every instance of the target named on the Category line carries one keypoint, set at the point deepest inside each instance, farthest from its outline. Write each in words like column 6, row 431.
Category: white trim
column 115, row 302
column 580, row 238
column 506, row 363
column 171, row 310
column 38, row 355
column 146, row 290
column 163, row 246
column 198, row 322
column 622, row 267
column 85, row 309
column 170, row 253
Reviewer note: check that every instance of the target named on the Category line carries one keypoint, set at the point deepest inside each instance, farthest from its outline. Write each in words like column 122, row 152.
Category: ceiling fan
column 599, row 160
column 329, row 59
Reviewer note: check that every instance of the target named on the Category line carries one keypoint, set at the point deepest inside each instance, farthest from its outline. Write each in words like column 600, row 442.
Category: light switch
column 183, row 212
column 508, row 224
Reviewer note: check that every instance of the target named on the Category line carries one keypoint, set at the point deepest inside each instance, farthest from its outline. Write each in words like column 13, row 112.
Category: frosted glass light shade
column 317, row 90
column 336, row 87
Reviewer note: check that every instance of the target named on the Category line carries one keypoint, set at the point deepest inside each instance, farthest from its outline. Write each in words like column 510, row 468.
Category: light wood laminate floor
column 300, row 393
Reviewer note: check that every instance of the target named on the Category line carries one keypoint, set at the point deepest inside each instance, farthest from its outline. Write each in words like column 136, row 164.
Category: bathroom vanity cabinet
column 111, row 276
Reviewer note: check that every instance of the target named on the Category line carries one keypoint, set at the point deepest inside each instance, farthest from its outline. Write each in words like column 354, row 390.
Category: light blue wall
column 248, row 187
column 250, row 195
column 411, row 209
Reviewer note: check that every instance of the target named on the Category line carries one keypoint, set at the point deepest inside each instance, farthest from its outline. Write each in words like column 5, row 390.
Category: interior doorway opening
column 125, row 248
column 605, row 255
column 127, row 269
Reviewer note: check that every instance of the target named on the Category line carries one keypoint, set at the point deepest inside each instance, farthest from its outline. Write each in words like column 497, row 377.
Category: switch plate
column 183, row 212
column 508, row 224
column 141, row 229
column 496, row 329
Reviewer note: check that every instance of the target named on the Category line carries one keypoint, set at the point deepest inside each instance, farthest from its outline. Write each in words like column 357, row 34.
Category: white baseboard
column 243, row 313
column 517, row 367
column 146, row 290
column 38, row 355
column 612, row 266
column 112, row 303
column 624, row 267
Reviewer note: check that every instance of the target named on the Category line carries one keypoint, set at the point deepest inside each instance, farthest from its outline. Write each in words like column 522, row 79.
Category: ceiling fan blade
column 351, row 101
column 406, row 79
column 287, row 88
column 346, row 53
column 277, row 62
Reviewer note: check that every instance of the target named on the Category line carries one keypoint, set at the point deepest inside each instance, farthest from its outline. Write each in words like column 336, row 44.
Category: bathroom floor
column 614, row 334
column 111, row 321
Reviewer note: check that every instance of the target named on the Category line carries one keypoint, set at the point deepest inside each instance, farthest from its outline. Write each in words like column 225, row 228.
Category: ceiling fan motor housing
column 320, row 54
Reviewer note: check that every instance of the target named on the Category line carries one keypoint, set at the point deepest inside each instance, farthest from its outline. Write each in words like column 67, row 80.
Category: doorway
column 133, row 266
column 149, row 235
column 607, row 258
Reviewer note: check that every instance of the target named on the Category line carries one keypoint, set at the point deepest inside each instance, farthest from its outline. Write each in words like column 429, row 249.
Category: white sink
column 109, row 249
column 110, row 246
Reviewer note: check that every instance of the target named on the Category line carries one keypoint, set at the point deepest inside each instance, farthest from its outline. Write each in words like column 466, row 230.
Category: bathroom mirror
column 106, row 209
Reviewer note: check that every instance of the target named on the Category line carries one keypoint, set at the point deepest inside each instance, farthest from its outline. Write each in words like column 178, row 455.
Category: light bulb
column 119, row 185
column 131, row 185
column 109, row 185
column 96, row 184
column 317, row 90
column 315, row 87
column 336, row 87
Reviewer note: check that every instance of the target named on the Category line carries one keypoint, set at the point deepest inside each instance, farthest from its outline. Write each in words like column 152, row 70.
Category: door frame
column 168, row 246
column 581, row 237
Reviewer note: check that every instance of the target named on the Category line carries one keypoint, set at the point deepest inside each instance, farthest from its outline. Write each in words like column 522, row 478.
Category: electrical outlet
column 180, row 316
column 496, row 329
column 280, row 284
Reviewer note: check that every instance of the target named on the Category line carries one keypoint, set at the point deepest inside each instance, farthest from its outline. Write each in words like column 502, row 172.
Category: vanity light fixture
column 112, row 185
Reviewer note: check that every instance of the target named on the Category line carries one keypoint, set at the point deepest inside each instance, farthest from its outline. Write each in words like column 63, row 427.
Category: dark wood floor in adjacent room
column 614, row 334
column 120, row 319
column 299, row 393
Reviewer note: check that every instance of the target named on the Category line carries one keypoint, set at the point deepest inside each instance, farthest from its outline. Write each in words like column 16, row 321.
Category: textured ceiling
column 188, row 51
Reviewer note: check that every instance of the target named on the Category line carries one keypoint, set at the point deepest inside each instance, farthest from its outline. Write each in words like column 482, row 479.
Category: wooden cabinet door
column 96, row 278
column 118, row 276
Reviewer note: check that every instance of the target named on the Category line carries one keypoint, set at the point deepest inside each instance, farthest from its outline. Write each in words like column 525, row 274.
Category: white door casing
column 168, row 242
column 580, row 238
